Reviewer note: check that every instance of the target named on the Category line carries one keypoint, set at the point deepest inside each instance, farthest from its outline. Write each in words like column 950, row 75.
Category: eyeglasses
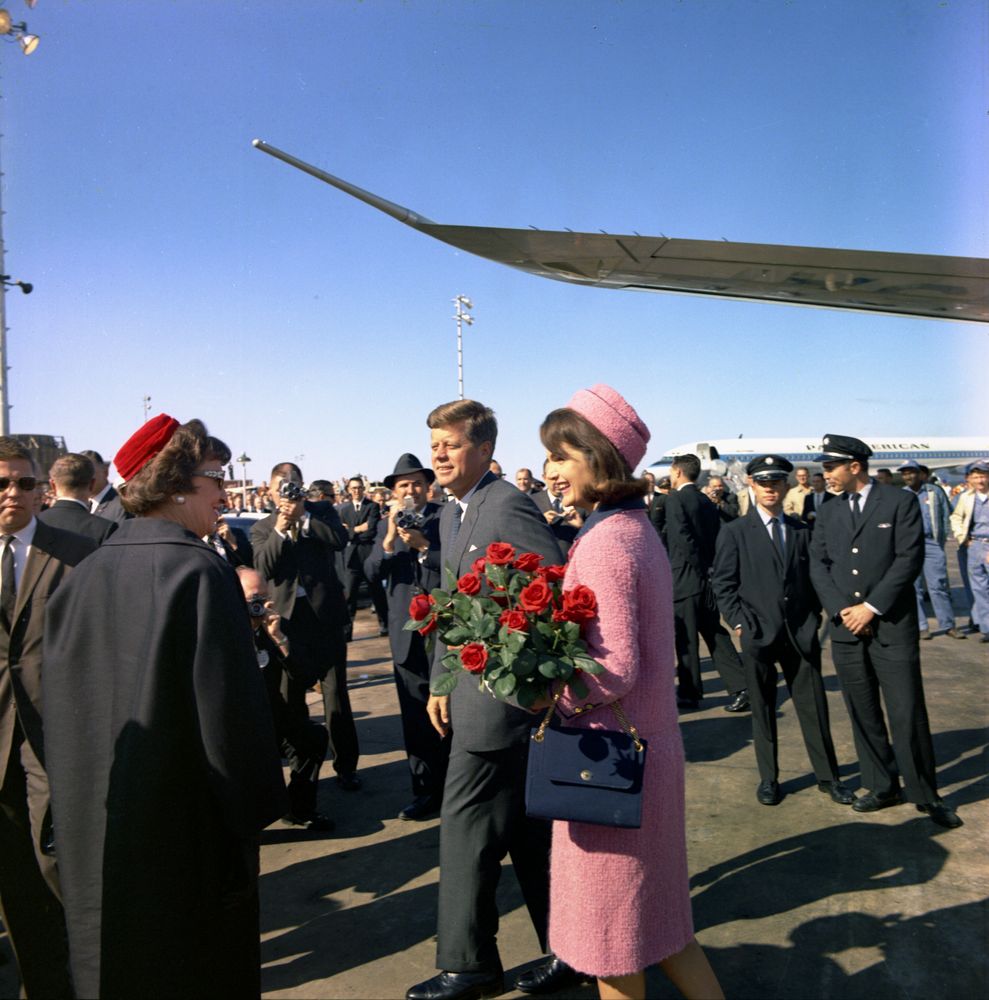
column 25, row 484
column 217, row 475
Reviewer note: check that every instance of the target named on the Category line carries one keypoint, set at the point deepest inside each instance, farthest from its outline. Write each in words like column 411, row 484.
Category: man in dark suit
column 815, row 500
column 692, row 525
column 294, row 551
column 35, row 559
column 104, row 500
column 564, row 522
column 287, row 676
column 762, row 582
column 406, row 554
column 867, row 551
column 71, row 479
column 483, row 816
column 360, row 517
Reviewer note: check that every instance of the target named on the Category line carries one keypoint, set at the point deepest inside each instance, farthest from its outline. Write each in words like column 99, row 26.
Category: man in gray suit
column 483, row 816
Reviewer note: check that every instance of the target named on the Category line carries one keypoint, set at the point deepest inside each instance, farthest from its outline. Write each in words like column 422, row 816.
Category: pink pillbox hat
column 611, row 414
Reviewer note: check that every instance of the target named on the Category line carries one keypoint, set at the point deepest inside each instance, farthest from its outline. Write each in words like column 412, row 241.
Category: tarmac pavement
column 806, row 899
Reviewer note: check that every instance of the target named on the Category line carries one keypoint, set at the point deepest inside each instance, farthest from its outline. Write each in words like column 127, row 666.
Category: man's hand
column 414, row 538
column 359, row 529
column 273, row 624
column 438, row 710
column 290, row 513
column 573, row 517
column 857, row 619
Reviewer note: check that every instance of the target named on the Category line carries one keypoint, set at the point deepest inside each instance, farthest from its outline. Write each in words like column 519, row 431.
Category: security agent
column 867, row 550
column 762, row 583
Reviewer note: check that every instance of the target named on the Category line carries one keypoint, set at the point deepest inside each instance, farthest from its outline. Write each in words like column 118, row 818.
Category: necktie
column 856, row 510
column 557, row 505
column 777, row 534
column 8, row 586
column 455, row 527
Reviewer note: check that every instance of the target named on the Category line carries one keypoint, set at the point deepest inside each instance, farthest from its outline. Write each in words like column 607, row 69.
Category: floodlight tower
column 461, row 316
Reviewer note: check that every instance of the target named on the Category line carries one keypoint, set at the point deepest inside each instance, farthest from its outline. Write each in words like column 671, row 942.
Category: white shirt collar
column 26, row 535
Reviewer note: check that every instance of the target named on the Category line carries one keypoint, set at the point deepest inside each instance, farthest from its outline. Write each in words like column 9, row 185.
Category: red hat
column 144, row 444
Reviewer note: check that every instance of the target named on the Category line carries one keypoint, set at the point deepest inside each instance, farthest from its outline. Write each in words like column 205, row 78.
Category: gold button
column 585, row 775
column 577, row 710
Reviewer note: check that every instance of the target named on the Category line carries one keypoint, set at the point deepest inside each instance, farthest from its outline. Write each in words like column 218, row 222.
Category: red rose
column 536, row 596
column 528, row 561
column 500, row 554
column 469, row 584
column 580, row 604
column 478, row 566
column 420, row 607
column 429, row 626
column 552, row 574
column 514, row 620
column 473, row 656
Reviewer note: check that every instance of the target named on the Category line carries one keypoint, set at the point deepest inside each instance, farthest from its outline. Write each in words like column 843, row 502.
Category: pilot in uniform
column 867, row 550
column 762, row 583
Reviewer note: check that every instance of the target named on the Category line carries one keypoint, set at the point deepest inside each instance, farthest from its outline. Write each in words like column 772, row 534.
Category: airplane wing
column 900, row 284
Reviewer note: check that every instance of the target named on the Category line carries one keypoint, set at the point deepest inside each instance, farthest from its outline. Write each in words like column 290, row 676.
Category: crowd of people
column 155, row 658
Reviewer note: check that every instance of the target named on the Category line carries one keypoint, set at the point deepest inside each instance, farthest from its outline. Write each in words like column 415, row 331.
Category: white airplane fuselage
column 730, row 455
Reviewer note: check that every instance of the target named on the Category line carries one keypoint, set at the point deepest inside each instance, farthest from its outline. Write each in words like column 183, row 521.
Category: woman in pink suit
column 619, row 898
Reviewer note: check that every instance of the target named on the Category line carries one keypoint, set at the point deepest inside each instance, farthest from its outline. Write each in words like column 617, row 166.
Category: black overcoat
column 163, row 768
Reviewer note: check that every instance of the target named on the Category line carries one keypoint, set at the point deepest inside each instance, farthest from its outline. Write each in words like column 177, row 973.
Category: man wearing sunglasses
column 34, row 559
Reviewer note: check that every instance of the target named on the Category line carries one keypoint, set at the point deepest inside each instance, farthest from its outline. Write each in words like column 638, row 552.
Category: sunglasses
column 217, row 475
column 25, row 483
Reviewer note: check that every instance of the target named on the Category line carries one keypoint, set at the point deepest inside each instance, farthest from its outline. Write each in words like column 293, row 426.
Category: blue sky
column 170, row 258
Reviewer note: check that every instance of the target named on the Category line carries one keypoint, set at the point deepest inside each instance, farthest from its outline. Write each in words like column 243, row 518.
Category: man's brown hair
column 479, row 420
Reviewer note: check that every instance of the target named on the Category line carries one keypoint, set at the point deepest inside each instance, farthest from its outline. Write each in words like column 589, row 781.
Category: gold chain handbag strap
column 616, row 707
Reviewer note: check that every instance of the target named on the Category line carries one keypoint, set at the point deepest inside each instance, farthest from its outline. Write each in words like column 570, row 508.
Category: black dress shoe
column 941, row 814
column 549, row 977
column 420, row 808
column 458, row 986
column 768, row 793
column 739, row 702
column 839, row 793
column 953, row 633
column 316, row 822
column 872, row 801
column 349, row 782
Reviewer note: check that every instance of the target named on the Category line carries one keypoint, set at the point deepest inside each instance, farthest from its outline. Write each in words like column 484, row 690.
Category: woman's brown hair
column 170, row 471
column 613, row 479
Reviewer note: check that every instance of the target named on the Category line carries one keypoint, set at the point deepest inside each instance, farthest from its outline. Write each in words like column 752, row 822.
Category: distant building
column 44, row 448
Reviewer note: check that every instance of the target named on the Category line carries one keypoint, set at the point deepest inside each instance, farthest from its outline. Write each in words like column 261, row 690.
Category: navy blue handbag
column 586, row 775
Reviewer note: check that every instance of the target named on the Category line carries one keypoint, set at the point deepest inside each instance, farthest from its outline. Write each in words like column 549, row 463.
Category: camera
column 409, row 519
column 256, row 608
column 289, row 490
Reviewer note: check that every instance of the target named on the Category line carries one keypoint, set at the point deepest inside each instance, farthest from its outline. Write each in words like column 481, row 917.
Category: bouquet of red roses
column 510, row 622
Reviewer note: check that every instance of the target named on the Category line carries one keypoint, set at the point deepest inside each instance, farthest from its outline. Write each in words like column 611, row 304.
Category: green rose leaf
column 505, row 686
column 443, row 684
column 549, row 668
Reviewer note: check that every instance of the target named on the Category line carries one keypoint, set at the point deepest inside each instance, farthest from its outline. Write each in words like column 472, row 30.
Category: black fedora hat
column 405, row 466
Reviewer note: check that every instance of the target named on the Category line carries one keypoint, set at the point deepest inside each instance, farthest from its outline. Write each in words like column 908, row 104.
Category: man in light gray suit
column 483, row 816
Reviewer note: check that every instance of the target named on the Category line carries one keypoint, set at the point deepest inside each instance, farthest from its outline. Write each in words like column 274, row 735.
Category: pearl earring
column 179, row 499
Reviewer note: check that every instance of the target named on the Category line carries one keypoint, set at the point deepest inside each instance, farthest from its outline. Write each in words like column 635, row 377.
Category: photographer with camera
column 295, row 551
column 287, row 677
column 407, row 553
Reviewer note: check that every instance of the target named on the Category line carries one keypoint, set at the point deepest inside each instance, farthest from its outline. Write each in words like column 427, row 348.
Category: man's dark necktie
column 8, row 587
column 856, row 510
column 777, row 534
column 455, row 527
column 557, row 505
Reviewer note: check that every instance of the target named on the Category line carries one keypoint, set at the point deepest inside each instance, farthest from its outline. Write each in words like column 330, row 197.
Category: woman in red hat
column 161, row 751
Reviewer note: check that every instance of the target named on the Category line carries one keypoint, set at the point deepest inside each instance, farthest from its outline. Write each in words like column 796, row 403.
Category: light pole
column 146, row 403
column 462, row 303
column 10, row 32
column 243, row 459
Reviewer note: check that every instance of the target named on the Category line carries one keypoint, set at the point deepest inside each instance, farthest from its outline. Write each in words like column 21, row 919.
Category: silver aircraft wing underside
column 900, row 284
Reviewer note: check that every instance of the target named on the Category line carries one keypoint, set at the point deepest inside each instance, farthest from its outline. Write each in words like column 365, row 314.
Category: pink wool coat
column 619, row 899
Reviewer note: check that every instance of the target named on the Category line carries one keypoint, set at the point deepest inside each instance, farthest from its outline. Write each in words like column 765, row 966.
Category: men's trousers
column 935, row 573
column 378, row 596
column 806, row 687
column 303, row 744
column 483, row 819
column 978, row 580
column 29, row 901
column 428, row 755
column 328, row 649
column 697, row 615
column 865, row 668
